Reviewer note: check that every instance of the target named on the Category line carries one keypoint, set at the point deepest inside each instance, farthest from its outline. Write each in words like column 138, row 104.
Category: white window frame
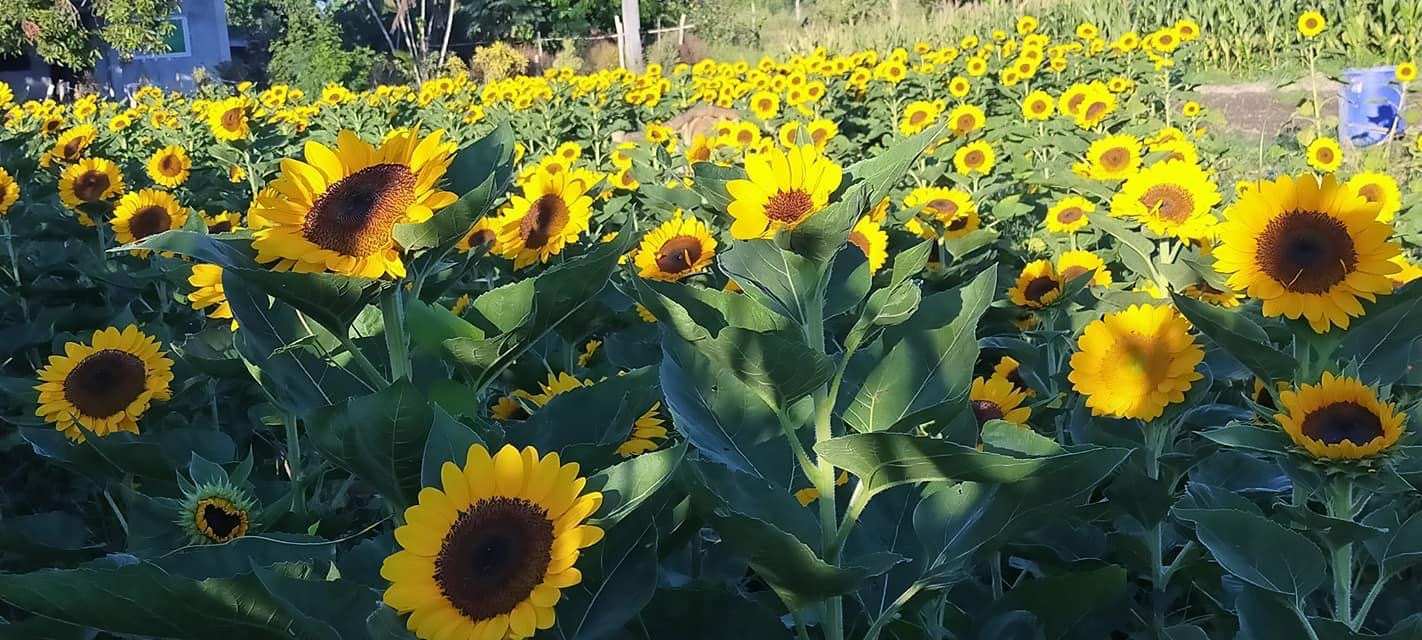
column 187, row 44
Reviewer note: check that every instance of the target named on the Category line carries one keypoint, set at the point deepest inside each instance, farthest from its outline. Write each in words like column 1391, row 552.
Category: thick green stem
column 888, row 615
column 1158, row 435
column 1340, row 505
column 829, row 521
column 372, row 375
column 392, row 311
column 293, row 461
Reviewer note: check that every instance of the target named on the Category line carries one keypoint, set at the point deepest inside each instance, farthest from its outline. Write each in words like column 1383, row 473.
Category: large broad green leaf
column 239, row 556
column 723, row 418
column 1243, row 436
column 775, row 367
column 709, row 611
column 1405, row 549
column 1265, row 616
column 1135, row 249
column 481, row 173
column 141, row 599
column 696, row 312
column 379, row 438
column 885, row 460
column 710, row 183
column 785, row 282
column 449, row 441
column 626, row 485
column 588, row 423
column 959, row 522
column 294, row 360
column 1238, row 335
column 517, row 315
column 1381, row 341
column 1259, row 551
column 925, row 374
column 620, row 575
column 1060, row 602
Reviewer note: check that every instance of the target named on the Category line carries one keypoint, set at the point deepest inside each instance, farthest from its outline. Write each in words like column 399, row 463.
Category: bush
column 309, row 56
column 602, row 55
column 663, row 51
column 567, row 56
column 498, row 61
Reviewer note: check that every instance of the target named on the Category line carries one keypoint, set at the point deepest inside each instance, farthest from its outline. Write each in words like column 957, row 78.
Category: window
column 178, row 44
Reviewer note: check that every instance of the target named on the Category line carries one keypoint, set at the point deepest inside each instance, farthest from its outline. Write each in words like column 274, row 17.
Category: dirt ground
column 1258, row 109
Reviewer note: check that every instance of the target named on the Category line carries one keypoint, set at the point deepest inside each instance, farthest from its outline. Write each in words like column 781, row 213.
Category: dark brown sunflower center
column 973, row 158
column 859, row 240
column 678, row 254
column 965, row 123
column 232, row 119
column 943, row 207
column 1074, row 102
column 91, row 185
column 1039, row 287
column 788, row 207
column 985, row 410
column 1310, row 23
column 482, row 238
column 1307, row 251
column 545, row 219
column 1170, row 202
column 150, row 220
column 1115, row 159
column 170, row 166
column 105, row 383
column 1070, row 215
column 493, row 556
column 1324, row 155
column 1371, row 192
column 1334, row 423
column 222, row 521
column 356, row 216
column 73, row 148
column 918, row 117
column 1095, row 110
column 221, row 226
column 1073, row 272
column 1038, row 106
column 958, row 223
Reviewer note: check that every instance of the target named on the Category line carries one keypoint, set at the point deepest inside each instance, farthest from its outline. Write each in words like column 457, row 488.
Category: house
column 199, row 38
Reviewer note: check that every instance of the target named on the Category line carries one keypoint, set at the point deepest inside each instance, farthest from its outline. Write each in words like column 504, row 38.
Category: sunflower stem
column 829, row 521
column 293, row 461
column 392, row 311
column 1158, row 435
column 372, row 375
column 1340, row 505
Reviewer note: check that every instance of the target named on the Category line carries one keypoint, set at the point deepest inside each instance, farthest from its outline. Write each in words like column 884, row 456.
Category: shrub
column 309, row 56
column 567, row 56
column 602, row 55
column 498, row 61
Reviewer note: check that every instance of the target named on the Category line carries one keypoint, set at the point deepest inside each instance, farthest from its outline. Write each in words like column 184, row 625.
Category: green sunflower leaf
column 1240, row 337
column 1258, row 550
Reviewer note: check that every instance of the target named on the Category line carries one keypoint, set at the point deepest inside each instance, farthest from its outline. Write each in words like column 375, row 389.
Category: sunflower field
column 1002, row 337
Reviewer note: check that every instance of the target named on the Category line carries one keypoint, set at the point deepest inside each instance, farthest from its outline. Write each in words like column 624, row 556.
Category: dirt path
column 1256, row 109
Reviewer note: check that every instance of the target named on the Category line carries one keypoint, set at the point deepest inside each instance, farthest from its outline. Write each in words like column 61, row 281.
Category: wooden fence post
column 681, row 31
column 621, row 46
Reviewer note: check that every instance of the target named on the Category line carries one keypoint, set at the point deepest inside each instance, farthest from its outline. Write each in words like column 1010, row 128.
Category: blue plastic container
column 1369, row 106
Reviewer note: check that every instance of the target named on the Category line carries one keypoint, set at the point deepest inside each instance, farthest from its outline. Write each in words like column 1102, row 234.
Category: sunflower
column 1037, row 286
column 482, row 235
column 959, row 86
column 216, row 514
column 1069, row 104
column 1009, row 369
column 206, row 280
column 1038, row 105
column 1132, row 363
column 1026, row 25
column 147, row 212
column 1380, row 190
column 965, row 119
column 996, row 399
column 1407, row 270
column 557, row 384
column 962, row 224
column 228, row 119
column 1311, row 23
column 1069, row 214
column 1306, row 247
column 70, row 146
column 104, row 386
column 1325, row 155
column 1405, row 72
column 974, row 158
column 939, row 203
column 9, row 191
column 810, row 494
column 337, row 211
column 169, row 166
column 1191, row 109
column 1339, row 418
column 676, row 249
column 1073, row 264
column 871, row 241
column 918, row 115
column 1170, row 198
column 489, row 554
column 508, row 407
column 88, row 181
column 222, row 221
column 589, row 350
column 1203, row 292
column 552, row 211
column 647, row 433
column 1097, row 104
column 782, row 188
column 765, row 104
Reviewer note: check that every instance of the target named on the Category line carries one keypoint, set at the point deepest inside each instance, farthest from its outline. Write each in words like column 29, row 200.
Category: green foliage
column 66, row 34
column 498, row 61
column 310, row 55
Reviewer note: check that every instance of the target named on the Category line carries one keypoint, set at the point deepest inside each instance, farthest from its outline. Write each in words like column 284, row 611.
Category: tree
column 75, row 33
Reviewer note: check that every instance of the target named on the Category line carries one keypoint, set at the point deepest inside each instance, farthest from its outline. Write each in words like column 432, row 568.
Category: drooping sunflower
column 1037, row 286
column 216, row 514
column 647, row 433
column 1114, row 157
column 782, row 189
column 169, row 166
column 206, row 280
column 104, row 386
column 962, row 224
column 1098, row 103
column 974, row 158
column 1170, row 198
column 70, row 146
column 1069, row 214
column 676, row 249
column 337, row 210
column 1325, row 155
column 552, row 211
column 1009, row 369
column 1380, row 190
column 229, row 119
column 488, row 554
column 1311, row 23
column 1133, row 363
column 1038, row 105
column 872, row 241
column 1340, row 418
column 996, row 399
column 1074, row 264
column 9, row 191
column 147, row 212
column 940, row 203
column 88, row 181
column 918, row 115
column 1307, row 248
column 965, row 119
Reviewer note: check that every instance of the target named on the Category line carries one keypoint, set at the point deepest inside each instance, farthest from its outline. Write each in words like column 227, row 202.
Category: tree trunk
column 632, row 34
